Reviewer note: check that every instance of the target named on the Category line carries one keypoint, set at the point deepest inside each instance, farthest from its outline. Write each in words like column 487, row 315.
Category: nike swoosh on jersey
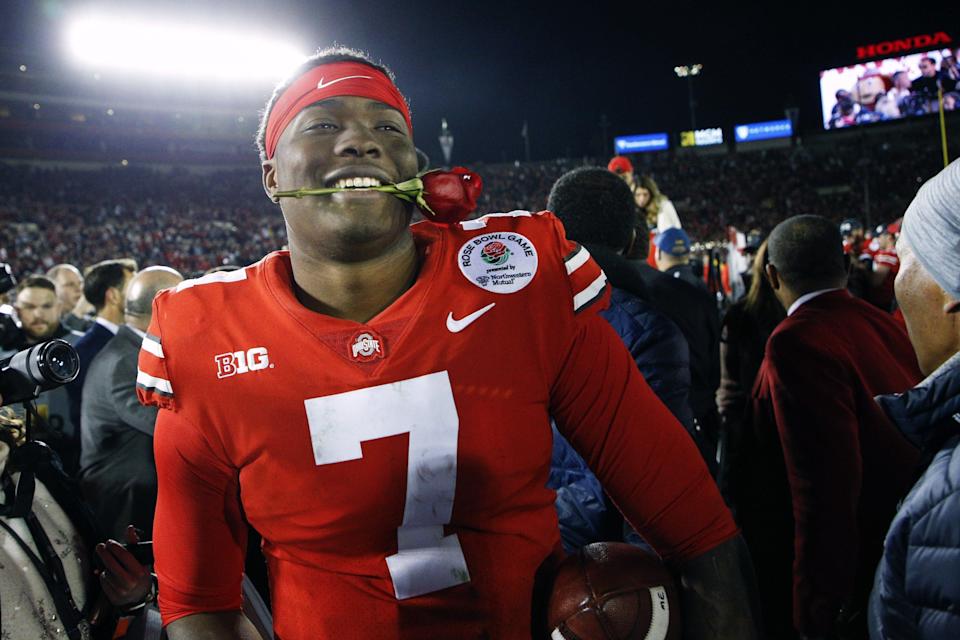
column 321, row 85
column 456, row 326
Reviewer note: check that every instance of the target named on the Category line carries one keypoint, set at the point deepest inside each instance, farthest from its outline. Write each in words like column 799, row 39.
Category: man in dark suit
column 117, row 473
column 829, row 467
column 694, row 310
column 103, row 287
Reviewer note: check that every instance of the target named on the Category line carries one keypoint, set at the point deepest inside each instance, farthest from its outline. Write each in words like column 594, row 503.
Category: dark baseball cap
column 674, row 241
column 848, row 225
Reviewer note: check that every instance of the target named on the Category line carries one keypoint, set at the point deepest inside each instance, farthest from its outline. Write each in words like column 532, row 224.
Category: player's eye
column 320, row 126
column 390, row 126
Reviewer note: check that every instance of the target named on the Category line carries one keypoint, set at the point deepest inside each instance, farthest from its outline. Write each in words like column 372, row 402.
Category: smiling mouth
column 357, row 183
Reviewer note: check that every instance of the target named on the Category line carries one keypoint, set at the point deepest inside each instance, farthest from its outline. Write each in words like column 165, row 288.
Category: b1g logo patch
column 231, row 364
column 366, row 346
column 498, row 262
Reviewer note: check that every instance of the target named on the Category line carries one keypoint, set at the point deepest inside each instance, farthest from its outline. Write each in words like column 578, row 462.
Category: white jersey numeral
column 426, row 560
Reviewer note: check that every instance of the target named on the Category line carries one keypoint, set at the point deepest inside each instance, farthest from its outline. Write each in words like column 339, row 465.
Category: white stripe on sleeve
column 578, row 260
column 151, row 346
column 590, row 292
column 151, row 382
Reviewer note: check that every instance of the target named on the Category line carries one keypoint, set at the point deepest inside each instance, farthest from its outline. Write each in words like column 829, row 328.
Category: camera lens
column 58, row 362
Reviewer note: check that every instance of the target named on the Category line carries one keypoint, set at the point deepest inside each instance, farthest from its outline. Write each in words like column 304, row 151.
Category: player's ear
column 773, row 276
column 269, row 169
column 423, row 160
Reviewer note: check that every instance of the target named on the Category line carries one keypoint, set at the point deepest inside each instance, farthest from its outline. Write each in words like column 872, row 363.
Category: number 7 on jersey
column 426, row 560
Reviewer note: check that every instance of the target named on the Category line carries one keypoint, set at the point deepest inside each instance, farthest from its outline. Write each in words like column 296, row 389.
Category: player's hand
column 124, row 580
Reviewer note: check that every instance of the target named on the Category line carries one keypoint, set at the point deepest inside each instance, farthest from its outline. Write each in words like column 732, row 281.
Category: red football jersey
column 397, row 469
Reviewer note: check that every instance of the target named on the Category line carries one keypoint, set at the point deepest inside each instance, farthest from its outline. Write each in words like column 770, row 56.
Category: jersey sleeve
column 153, row 381
column 199, row 532
column 642, row 455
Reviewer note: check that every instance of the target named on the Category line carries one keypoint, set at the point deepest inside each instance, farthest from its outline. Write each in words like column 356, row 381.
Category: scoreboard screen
column 889, row 89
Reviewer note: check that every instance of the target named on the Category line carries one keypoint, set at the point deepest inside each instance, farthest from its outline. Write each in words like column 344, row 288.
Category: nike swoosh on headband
column 322, row 85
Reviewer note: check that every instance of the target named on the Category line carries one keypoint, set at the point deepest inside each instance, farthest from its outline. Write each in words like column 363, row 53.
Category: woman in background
column 655, row 206
column 656, row 209
column 743, row 337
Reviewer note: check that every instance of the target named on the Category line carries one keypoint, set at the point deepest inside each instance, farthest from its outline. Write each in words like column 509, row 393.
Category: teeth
column 356, row 183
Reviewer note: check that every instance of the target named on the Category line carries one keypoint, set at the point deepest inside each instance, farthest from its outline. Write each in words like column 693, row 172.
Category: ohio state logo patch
column 366, row 346
column 498, row 262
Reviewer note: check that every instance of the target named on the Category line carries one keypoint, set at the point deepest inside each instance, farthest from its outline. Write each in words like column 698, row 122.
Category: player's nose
column 358, row 141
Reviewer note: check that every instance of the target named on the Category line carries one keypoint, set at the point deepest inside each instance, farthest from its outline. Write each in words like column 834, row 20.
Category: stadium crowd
column 195, row 222
column 806, row 419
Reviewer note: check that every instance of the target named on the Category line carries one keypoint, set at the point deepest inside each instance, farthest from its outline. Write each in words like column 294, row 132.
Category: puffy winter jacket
column 661, row 354
column 916, row 593
column 658, row 347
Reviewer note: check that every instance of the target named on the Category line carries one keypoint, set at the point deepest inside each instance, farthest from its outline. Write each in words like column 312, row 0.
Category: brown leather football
column 613, row 591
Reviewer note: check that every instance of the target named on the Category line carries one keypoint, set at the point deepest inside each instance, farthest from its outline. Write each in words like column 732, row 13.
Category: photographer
column 48, row 584
column 38, row 308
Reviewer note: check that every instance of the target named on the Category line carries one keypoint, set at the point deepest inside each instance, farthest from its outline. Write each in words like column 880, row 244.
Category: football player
column 376, row 402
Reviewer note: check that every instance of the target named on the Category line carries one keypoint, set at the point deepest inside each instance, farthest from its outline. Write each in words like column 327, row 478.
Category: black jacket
column 691, row 308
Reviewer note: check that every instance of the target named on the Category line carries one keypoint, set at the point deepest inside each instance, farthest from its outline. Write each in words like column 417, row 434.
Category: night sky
column 488, row 66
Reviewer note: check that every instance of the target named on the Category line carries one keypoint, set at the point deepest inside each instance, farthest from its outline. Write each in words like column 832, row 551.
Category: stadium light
column 689, row 71
column 685, row 71
column 167, row 48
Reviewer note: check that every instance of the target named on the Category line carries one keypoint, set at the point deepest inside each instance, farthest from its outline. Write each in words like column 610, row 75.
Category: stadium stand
column 196, row 218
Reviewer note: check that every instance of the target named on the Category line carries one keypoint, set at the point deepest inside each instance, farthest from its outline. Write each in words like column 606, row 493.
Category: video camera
column 44, row 366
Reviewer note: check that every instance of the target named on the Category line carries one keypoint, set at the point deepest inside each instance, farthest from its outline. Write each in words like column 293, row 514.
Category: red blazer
column 846, row 464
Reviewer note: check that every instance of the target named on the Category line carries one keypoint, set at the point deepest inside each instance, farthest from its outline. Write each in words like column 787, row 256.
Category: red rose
column 449, row 196
column 445, row 197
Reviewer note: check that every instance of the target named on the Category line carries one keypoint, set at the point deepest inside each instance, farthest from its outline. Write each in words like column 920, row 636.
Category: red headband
column 326, row 81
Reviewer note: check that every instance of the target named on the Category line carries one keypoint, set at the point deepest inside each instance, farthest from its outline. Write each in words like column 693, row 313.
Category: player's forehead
column 344, row 104
column 36, row 296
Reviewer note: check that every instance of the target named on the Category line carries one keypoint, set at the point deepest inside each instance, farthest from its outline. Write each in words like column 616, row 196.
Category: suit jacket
column 89, row 345
column 117, row 473
column 824, row 446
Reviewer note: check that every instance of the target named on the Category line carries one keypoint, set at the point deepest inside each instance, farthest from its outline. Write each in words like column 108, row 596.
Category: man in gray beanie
column 916, row 592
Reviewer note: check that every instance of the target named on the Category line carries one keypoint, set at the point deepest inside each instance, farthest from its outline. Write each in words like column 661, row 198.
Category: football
column 613, row 591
